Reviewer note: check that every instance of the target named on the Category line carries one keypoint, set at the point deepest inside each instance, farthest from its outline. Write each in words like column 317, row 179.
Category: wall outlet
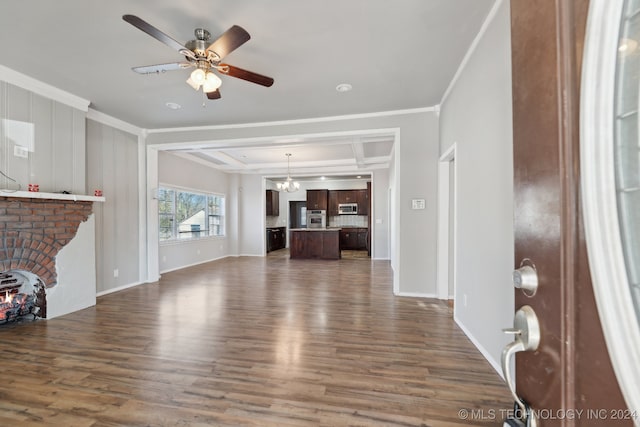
column 116, row 273
column 164, row 258
column 198, row 252
column 20, row 151
column 464, row 300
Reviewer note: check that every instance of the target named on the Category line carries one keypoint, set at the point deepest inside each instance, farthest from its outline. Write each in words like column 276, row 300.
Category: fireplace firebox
column 39, row 233
column 21, row 294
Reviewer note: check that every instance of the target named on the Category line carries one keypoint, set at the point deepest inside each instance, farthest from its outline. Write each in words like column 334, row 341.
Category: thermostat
column 418, row 204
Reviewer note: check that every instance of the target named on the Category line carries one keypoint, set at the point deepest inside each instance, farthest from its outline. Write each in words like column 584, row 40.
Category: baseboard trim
column 481, row 349
column 119, row 288
column 194, row 264
column 415, row 295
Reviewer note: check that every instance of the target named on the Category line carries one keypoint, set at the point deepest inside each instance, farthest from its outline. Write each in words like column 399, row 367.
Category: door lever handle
column 526, row 331
column 507, row 353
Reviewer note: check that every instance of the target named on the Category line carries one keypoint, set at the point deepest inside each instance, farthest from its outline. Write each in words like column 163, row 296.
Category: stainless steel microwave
column 348, row 209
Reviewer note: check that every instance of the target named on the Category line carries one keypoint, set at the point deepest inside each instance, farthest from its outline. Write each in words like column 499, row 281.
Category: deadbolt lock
column 526, row 278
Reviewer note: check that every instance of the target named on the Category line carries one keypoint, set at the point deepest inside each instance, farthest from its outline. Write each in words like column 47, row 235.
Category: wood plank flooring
column 250, row 342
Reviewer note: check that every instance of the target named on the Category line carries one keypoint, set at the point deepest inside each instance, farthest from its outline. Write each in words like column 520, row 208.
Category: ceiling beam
column 225, row 158
column 358, row 152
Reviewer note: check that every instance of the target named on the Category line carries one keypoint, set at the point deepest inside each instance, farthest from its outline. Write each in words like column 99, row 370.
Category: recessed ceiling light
column 323, row 178
column 359, row 176
column 173, row 105
column 344, row 87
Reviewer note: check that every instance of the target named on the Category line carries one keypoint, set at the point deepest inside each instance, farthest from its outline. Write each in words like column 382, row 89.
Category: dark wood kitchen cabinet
column 347, row 196
column 362, row 198
column 276, row 238
column 273, row 203
column 314, row 244
column 354, row 239
column 348, row 239
column 332, row 208
column 317, row 199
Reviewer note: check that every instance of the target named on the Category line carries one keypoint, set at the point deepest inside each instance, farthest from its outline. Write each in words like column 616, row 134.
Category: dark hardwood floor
column 250, row 342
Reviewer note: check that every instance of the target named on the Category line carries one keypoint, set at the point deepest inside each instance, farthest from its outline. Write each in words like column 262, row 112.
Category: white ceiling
column 397, row 55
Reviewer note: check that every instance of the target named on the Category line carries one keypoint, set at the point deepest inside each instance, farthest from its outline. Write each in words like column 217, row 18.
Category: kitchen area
column 320, row 223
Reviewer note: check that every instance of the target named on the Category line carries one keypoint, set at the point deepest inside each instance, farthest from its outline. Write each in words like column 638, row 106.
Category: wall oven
column 348, row 209
column 316, row 218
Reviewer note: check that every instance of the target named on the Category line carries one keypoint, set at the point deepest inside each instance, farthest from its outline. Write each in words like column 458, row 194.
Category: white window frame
column 196, row 235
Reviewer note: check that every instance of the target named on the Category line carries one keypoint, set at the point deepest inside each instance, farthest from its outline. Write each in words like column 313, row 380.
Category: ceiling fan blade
column 214, row 95
column 161, row 68
column 157, row 34
column 232, row 39
column 249, row 76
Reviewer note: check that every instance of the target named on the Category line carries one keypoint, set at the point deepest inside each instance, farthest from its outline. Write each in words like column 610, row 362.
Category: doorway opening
column 447, row 206
column 297, row 214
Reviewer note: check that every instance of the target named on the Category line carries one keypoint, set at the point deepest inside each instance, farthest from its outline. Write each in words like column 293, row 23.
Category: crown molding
column 485, row 25
column 108, row 120
column 36, row 86
column 300, row 121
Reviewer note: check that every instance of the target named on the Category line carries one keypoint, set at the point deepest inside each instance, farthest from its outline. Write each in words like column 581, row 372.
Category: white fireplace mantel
column 50, row 196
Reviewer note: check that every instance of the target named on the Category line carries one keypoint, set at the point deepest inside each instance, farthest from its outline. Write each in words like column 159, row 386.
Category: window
column 189, row 215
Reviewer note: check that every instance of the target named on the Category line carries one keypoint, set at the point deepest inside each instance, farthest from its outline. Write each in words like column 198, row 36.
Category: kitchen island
column 314, row 243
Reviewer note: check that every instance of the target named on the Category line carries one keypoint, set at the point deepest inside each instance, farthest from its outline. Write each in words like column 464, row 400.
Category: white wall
column 417, row 152
column 54, row 136
column 251, row 220
column 180, row 172
column 112, row 166
column 380, row 215
column 76, row 270
column 477, row 116
column 418, row 173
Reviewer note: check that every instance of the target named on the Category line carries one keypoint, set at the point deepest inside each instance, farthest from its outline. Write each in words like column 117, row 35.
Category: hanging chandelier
column 289, row 185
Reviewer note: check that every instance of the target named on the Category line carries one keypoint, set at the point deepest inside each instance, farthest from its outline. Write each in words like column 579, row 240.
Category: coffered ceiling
column 312, row 157
column 396, row 55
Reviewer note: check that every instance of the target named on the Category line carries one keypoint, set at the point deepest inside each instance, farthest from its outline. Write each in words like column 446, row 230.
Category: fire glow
column 18, row 297
column 13, row 306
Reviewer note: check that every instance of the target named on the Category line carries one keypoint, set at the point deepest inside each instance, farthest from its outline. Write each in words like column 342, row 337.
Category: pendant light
column 289, row 185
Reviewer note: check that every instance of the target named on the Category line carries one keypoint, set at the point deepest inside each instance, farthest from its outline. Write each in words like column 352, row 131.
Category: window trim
column 200, row 192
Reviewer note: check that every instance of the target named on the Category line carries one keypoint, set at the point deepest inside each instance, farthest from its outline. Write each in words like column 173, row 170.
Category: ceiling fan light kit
column 202, row 55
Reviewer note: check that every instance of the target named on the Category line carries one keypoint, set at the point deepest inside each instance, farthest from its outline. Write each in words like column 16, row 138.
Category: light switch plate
column 20, row 151
column 418, row 204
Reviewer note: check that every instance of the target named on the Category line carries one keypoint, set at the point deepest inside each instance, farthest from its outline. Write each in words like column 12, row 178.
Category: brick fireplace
column 35, row 231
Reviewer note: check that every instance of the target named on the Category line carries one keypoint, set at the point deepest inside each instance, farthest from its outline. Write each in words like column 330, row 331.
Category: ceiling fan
column 203, row 55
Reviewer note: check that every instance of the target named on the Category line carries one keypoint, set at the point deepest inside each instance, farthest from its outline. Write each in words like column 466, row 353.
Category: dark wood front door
column 569, row 380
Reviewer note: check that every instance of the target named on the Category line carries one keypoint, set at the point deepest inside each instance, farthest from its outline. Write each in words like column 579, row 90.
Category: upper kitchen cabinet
column 333, row 203
column 273, row 203
column 362, row 198
column 347, row 196
column 337, row 197
column 317, row 199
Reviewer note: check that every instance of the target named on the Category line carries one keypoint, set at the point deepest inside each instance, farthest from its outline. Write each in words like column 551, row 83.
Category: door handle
column 526, row 331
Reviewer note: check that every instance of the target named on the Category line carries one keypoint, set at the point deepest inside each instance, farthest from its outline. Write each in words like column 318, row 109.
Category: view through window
column 189, row 215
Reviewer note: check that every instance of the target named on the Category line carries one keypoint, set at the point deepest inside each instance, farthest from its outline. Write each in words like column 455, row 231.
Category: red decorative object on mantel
column 97, row 193
column 34, row 188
